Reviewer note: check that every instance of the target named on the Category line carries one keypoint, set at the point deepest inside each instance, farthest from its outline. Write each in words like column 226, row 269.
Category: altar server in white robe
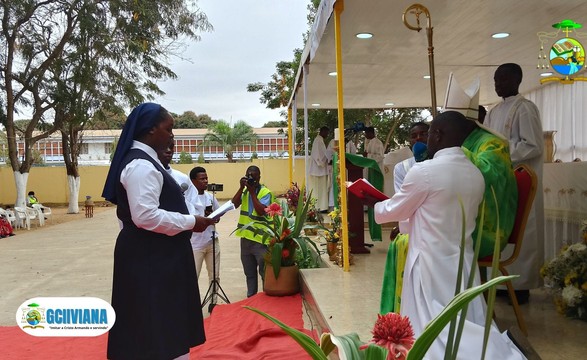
column 518, row 120
column 429, row 198
column 318, row 170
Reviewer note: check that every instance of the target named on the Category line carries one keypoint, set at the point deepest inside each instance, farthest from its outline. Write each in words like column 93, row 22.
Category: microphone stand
column 214, row 290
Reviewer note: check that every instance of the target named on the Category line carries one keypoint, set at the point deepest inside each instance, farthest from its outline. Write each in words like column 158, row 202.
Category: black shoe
column 323, row 211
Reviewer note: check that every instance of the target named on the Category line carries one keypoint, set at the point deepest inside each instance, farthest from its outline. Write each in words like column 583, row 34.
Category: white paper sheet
column 223, row 209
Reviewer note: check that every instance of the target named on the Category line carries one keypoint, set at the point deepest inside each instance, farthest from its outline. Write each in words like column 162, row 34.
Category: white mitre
column 465, row 101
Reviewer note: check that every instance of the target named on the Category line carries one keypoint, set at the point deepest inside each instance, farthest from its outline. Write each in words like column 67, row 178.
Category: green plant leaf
column 434, row 328
column 276, row 258
column 304, row 340
column 374, row 352
column 348, row 346
column 326, row 343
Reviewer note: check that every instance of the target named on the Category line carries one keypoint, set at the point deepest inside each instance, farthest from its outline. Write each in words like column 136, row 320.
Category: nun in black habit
column 155, row 290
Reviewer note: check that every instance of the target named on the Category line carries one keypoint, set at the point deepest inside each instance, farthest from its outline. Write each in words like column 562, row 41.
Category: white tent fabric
column 563, row 108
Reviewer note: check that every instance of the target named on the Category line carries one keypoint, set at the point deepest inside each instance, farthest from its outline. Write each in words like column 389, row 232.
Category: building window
column 107, row 148
column 83, row 149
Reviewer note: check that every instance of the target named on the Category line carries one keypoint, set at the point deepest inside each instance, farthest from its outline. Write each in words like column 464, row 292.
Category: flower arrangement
column 313, row 213
column 566, row 277
column 335, row 232
column 292, row 195
column 282, row 232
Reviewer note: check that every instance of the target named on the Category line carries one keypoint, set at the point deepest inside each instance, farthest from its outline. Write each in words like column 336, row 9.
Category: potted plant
column 292, row 195
column 288, row 248
column 333, row 234
column 313, row 218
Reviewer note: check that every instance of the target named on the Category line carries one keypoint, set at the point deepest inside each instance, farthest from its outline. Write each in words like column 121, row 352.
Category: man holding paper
column 204, row 203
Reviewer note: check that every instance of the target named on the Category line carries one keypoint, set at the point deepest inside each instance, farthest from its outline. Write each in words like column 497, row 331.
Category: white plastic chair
column 9, row 215
column 23, row 218
column 36, row 214
column 45, row 210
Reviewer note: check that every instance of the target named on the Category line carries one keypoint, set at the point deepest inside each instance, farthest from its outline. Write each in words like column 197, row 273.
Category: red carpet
column 232, row 332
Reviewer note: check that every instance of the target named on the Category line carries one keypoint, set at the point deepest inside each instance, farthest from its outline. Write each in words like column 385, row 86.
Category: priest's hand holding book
column 366, row 192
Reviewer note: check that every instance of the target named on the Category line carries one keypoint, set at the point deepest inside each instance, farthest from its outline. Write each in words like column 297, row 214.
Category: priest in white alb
column 318, row 170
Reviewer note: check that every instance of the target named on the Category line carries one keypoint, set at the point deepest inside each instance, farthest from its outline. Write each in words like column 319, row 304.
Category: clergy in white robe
column 429, row 198
column 318, row 170
column 374, row 148
column 350, row 148
column 519, row 121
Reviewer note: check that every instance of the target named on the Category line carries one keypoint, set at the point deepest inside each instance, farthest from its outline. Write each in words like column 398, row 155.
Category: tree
column 33, row 37
column 274, row 124
column 393, row 126
column 185, row 158
column 76, row 58
column 229, row 137
column 110, row 63
column 189, row 120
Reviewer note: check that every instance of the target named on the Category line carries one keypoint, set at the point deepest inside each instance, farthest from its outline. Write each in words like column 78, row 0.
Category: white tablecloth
column 565, row 204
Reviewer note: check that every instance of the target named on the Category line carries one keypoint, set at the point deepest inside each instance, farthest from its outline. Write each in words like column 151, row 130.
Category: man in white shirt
column 418, row 133
column 184, row 182
column 318, row 170
column 429, row 198
column 205, row 249
column 518, row 120
column 374, row 148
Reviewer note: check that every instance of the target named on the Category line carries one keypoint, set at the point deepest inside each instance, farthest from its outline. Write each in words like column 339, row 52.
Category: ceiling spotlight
column 332, row 73
column 315, row 105
column 389, row 104
column 545, row 74
column 426, row 76
column 500, row 35
column 364, row 35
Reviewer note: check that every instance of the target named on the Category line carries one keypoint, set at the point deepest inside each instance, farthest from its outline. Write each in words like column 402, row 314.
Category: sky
column 249, row 38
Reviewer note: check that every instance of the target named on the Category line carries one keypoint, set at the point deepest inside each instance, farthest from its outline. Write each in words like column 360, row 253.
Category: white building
column 97, row 146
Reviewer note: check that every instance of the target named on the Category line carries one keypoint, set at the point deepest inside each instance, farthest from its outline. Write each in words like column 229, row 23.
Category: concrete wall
column 50, row 183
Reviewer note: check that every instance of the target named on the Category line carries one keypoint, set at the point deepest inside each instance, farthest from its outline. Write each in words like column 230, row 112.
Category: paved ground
column 75, row 258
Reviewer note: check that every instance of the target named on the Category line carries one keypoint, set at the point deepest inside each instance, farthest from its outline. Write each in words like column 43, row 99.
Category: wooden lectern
column 356, row 214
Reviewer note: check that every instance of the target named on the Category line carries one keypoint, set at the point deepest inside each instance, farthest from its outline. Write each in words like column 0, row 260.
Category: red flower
column 285, row 253
column 393, row 332
column 285, row 233
column 273, row 209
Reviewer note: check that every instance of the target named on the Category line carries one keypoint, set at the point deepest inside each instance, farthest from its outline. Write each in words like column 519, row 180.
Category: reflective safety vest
column 247, row 216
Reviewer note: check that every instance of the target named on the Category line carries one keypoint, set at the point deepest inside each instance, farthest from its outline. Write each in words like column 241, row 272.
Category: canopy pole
column 290, row 144
column 338, row 9
column 306, row 137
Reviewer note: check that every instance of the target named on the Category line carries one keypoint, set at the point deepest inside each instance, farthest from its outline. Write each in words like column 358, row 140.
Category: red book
column 362, row 186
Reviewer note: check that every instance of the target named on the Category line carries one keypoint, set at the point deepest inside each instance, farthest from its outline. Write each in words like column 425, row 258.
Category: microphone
column 184, row 187
column 420, row 151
